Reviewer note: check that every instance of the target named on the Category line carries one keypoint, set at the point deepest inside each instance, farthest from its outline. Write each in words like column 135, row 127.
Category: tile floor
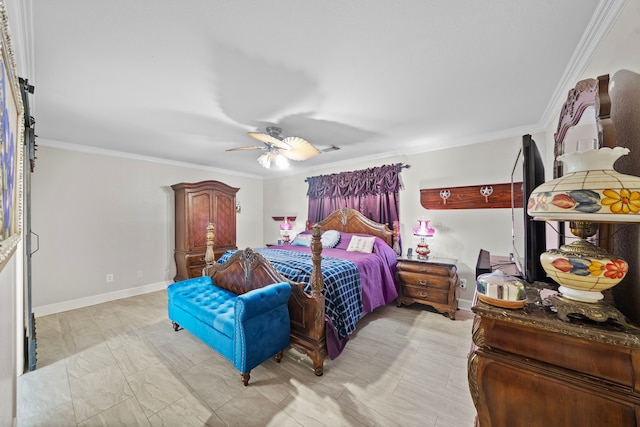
column 121, row 364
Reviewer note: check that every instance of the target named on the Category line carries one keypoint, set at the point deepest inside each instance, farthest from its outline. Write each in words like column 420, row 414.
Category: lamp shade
column 286, row 225
column 422, row 232
column 423, row 229
column 591, row 190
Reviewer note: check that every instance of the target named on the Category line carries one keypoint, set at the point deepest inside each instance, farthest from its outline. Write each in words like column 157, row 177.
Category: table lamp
column 285, row 230
column 591, row 192
column 422, row 232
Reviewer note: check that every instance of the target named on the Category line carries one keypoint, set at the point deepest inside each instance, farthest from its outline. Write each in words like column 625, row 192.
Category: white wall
column 99, row 215
column 460, row 233
column 8, row 321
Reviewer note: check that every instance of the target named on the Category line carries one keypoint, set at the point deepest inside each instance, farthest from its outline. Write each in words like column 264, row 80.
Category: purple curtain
column 374, row 192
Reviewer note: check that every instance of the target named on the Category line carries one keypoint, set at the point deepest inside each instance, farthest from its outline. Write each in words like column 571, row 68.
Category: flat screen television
column 528, row 236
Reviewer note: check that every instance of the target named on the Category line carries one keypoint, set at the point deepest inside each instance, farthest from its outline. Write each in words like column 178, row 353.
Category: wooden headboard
column 350, row 220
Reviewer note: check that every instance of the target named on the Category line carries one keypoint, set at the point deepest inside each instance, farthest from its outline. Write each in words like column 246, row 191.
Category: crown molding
column 113, row 153
column 21, row 26
column 600, row 24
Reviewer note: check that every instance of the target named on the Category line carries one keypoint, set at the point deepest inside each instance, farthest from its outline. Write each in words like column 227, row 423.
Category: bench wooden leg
column 279, row 356
column 245, row 378
column 176, row 327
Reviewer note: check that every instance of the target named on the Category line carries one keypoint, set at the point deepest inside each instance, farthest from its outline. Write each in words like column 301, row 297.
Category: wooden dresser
column 432, row 282
column 529, row 368
column 197, row 205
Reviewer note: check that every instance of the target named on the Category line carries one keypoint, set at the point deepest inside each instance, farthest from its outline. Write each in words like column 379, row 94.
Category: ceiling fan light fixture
column 264, row 160
column 281, row 161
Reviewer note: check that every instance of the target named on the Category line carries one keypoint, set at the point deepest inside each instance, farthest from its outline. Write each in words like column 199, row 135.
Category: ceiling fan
column 280, row 149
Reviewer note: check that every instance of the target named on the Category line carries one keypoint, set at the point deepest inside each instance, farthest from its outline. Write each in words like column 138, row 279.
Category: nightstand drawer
column 421, row 279
column 426, row 293
column 427, row 268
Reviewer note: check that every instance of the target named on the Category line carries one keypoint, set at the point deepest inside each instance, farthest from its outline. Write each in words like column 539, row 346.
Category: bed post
column 396, row 234
column 316, row 282
column 209, row 256
column 313, row 341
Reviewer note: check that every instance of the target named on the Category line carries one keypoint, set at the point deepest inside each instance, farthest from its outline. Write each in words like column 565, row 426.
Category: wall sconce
column 422, row 232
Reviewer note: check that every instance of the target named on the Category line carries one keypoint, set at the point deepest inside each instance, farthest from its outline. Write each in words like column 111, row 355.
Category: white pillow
column 330, row 238
column 361, row 244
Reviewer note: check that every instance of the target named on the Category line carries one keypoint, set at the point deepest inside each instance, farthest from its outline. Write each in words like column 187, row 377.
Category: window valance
column 372, row 181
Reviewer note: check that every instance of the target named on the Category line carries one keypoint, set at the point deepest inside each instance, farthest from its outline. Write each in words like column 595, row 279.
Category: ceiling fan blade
column 268, row 139
column 246, row 148
column 301, row 149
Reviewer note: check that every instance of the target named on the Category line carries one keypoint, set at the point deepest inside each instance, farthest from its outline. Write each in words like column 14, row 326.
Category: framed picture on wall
column 11, row 145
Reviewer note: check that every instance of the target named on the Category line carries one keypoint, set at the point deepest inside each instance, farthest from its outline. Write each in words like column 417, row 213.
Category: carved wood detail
column 352, row 221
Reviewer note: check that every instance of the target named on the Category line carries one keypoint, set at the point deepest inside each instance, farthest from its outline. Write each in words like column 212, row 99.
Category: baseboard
column 97, row 299
column 59, row 307
column 465, row 304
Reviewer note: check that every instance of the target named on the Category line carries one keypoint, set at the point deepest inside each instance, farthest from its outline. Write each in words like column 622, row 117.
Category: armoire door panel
column 200, row 207
column 225, row 233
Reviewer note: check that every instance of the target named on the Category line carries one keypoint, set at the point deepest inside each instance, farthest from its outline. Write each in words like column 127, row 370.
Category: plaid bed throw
column 342, row 288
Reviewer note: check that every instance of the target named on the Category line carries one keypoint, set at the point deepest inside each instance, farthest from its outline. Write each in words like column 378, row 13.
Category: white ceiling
column 185, row 80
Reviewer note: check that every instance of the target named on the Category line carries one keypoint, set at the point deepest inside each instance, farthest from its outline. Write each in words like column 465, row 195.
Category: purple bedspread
column 377, row 276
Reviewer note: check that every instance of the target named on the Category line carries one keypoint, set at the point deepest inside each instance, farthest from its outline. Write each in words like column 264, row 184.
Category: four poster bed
column 332, row 287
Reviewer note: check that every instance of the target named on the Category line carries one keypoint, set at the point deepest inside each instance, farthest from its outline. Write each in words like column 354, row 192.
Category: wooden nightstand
column 432, row 282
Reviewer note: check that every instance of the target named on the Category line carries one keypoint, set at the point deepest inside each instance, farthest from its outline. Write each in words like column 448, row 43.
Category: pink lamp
column 423, row 231
column 285, row 229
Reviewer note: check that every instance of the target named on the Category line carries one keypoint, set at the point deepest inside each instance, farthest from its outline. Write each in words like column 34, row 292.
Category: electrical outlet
column 140, row 274
column 463, row 283
column 109, row 278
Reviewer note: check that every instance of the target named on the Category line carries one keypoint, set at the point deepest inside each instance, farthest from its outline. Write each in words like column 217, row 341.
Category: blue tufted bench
column 245, row 328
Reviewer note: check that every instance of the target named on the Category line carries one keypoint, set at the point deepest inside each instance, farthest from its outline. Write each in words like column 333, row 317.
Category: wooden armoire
column 198, row 204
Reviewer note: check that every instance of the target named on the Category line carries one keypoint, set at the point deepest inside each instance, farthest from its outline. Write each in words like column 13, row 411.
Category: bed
column 331, row 288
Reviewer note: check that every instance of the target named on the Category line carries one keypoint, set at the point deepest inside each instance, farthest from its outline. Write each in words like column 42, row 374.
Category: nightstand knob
column 423, row 294
column 423, row 282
